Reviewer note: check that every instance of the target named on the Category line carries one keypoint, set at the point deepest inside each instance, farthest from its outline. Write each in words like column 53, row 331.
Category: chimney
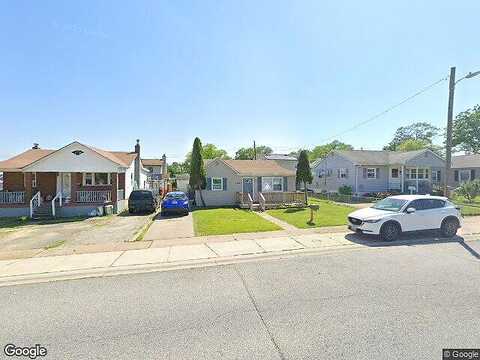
column 35, row 146
column 138, row 165
column 164, row 167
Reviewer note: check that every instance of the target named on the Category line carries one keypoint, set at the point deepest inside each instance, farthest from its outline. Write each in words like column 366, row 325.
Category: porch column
column 27, row 178
column 402, row 179
column 417, row 179
column 114, row 178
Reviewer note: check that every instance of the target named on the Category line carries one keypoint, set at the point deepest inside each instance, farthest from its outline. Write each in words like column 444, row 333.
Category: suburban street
column 394, row 302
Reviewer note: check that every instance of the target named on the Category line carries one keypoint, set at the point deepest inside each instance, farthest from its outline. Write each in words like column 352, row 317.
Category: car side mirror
column 411, row 210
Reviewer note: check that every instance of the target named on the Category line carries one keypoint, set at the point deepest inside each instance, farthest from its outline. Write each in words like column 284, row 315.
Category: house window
column 96, row 179
column 272, row 184
column 34, row 180
column 217, row 184
column 420, row 173
column 102, row 179
column 395, row 173
column 342, row 173
column 464, row 175
column 371, row 173
column 88, row 179
column 436, row 175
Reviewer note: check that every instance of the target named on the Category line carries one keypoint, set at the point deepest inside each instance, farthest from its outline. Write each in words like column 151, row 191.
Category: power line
column 376, row 116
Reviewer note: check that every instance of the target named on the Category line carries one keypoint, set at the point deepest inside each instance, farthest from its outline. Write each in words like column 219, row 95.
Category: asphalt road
column 400, row 302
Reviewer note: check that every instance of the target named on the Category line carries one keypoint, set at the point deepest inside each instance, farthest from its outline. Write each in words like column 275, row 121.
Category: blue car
column 175, row 202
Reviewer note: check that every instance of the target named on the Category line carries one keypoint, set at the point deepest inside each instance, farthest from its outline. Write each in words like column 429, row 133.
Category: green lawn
column 468, row 208
column 224, row 221
column 329, row 214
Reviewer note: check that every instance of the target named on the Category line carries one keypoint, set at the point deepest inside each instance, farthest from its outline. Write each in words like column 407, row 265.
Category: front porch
column 60, row 193
column 414, row 179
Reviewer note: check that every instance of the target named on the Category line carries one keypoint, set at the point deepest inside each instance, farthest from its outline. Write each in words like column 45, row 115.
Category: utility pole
column 448, row 163
column 254, row 151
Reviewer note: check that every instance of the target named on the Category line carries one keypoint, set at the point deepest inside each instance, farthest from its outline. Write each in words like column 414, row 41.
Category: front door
column 64, row 184
column 247, row 186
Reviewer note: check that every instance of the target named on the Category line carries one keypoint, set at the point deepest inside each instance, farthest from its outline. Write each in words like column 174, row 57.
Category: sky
column 288, row 74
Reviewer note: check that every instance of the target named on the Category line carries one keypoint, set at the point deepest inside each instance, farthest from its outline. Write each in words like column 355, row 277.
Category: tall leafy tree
column 413, row 144
column 209, row 151
column 249, row 153
column 417, row 131
column 321, row 151
column 176, row 168
column 304, row 173
column 197, row 169
column 466, row 130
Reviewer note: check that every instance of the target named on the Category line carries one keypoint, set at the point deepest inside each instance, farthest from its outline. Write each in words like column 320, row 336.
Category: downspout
column 417, row 179
column 356, row 179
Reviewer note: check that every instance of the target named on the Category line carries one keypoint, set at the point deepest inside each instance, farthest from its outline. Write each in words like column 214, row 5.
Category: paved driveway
column 170, row 227
column 74, row 232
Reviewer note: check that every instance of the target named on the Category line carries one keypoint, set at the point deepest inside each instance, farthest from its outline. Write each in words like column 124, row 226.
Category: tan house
column 249, row 183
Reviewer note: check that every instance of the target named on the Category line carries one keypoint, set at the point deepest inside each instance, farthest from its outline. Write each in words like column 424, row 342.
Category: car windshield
column 141, row 195
column 176, row 196
column 390, row 204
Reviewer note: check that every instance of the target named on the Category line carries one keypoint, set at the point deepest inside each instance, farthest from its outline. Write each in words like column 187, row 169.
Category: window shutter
column 259, row 184
column 209, row 183
column 377, row 175
column 346, row 173
column 472, row 174
column 439, row 177
column 364, row 173
column 455, row 175
column 338, row 173
column 224, row 184
column 285, row 183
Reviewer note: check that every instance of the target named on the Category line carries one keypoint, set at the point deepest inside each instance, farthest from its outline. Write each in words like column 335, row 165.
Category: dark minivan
column 141, row 201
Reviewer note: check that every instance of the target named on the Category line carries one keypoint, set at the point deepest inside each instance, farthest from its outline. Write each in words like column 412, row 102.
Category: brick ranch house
column 75, row 180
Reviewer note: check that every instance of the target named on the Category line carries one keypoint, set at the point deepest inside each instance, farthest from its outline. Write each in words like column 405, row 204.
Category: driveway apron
column 170, row 227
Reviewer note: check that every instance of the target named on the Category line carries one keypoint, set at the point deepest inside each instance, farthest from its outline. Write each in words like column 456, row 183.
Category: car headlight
column 371, row 221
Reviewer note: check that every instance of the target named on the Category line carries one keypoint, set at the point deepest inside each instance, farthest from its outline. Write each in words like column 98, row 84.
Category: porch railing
column 35, row 202
column 12, row 197
column 94, row 196
column 284, row 197
column 59, row 198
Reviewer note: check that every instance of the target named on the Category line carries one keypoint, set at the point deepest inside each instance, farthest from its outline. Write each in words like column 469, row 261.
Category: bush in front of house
column 469, row 190
column 345, row 190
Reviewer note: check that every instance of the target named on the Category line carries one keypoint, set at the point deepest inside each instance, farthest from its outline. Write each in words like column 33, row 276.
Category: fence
column 350, row 199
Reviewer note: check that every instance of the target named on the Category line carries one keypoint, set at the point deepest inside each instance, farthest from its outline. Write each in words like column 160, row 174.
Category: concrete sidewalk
column 37, row 269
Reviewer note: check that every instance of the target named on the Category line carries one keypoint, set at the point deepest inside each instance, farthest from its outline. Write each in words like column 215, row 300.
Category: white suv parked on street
column 396, row 214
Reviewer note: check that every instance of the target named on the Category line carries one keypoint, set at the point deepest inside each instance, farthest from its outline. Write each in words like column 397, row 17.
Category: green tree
column 413, row 144
column 466, row 130
column 249, row 153
column 209, row 151
column 304, row 173
column 321, row 151
column 417, row 131
column 197, row 169
column 176, row 168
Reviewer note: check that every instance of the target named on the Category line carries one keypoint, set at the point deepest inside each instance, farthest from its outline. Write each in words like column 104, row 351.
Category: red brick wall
column 13, row 181
column 47, row 184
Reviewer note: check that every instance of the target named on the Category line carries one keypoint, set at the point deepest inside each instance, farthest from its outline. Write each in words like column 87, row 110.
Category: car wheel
column 390, row 231
column 449, row 227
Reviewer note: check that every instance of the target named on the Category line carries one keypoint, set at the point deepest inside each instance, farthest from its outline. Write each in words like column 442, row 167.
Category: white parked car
column 396, row 214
